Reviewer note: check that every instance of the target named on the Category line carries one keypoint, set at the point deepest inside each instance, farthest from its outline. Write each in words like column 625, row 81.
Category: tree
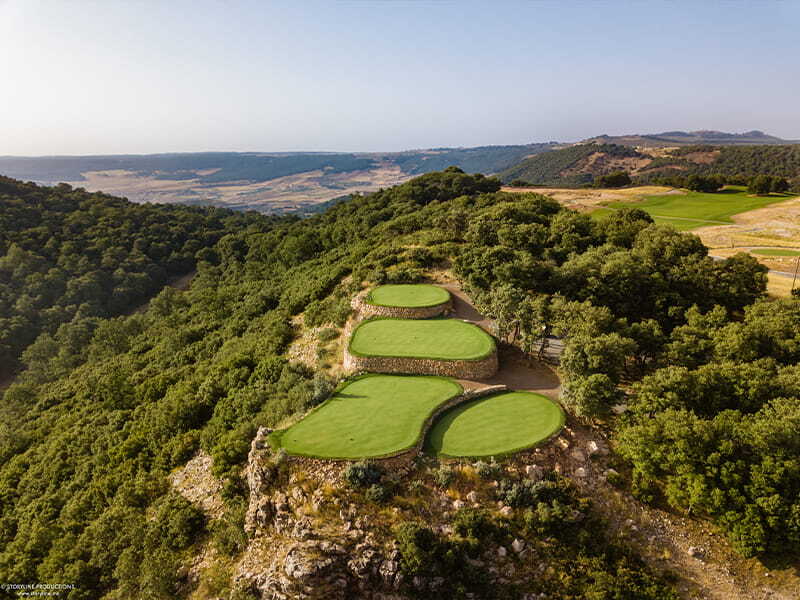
column 779, row 185
column 703, row 183
column 613, row 180
column 760, row 185
column 591, row 396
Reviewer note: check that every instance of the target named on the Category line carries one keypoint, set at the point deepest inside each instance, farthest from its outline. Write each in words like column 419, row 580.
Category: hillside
column 136, row 463
column 266, row 182
column 582, row 163
column 575, row 165
column 69, row 256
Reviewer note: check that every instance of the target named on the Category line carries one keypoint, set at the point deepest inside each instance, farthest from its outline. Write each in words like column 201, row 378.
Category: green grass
column 775, row 252
column 408, row 295
column 495, row 425
column 441, row 339
column 691, row 210
column 370, row 416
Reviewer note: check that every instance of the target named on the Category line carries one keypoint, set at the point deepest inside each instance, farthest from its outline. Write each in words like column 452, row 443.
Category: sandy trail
column 517, row 371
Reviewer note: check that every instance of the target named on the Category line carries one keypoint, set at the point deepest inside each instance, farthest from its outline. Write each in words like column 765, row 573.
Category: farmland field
column 408, row 295
column 373, row 415
column 495, row 425
column 690, row 210
column 441, row 339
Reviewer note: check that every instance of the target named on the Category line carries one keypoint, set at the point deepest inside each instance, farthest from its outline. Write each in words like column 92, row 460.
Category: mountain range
column 298, row 181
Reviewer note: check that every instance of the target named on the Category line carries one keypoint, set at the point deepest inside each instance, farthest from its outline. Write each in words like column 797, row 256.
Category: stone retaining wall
column 461, row 369
column 367, row 310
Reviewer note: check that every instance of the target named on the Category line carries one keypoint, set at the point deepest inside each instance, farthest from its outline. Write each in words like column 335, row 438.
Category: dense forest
column 68, row 256
column 706, row 366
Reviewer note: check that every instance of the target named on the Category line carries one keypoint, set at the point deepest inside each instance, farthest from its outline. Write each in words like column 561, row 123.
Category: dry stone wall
column 461, row 369
column 367, row 310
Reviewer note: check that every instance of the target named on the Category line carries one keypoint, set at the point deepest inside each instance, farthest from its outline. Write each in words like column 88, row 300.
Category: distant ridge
column 688, row 138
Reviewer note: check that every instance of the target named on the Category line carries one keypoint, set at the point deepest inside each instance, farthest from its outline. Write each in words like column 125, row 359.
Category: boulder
column 517, row 545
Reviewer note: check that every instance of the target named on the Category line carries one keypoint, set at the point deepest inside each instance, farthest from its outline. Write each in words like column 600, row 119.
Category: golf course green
column 687, row 210
column 495, row 425
column 439, row 339
column 408, row 295
column 370, row 416
column 775, row 252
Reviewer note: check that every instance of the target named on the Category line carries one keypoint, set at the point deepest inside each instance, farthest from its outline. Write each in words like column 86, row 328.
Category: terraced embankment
column 405, row 400
column 445, row 347
column 403, row 301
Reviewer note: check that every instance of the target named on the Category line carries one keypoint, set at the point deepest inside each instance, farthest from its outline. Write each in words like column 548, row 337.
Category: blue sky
column 137, row 77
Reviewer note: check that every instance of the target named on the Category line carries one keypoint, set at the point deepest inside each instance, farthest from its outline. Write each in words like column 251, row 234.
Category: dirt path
column 517, row 371
column 180, row 283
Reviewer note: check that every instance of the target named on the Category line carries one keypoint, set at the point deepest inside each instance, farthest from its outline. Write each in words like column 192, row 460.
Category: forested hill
column 581, row 164
column 89, row 433
column 68, row 256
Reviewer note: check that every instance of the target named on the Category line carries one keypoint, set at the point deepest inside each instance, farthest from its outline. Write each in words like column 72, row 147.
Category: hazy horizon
column 149, row 78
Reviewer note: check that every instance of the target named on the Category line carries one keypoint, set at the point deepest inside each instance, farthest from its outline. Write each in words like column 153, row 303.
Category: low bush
column 362, row 474
column 444, row 476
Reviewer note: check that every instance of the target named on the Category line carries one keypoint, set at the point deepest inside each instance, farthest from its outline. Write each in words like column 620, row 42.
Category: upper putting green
column 439, row 339
column 408, row 295
column 373, row 415
column 495, row 425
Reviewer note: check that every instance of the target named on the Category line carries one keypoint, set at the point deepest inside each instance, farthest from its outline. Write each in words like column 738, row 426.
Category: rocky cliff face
column 307, row 543
column 311, row 537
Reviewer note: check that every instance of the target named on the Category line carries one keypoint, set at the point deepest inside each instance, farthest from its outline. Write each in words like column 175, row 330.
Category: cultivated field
column 408, row 295
column 281, row 194
column 495, row 425
column 370, row 416
column 438, row 339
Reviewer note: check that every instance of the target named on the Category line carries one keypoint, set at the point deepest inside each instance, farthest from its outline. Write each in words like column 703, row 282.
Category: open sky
column 138, row 77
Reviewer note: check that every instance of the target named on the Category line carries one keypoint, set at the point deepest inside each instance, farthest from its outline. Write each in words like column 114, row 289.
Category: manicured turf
column 775, row 252
column 443, row 339
column 408, row 295
column 495, row 425
column 691, row 210
column 373, row 415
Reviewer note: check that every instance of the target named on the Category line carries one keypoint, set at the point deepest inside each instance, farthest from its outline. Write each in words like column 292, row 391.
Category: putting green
column 373, row 415
column 775, row 252
column 408, row 295
column 495, row 425
column 441, row 339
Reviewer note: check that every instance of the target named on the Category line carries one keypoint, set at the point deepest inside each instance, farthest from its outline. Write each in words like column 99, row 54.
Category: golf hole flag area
column 369, row 416
column 408, row 296
column 438, row 339
column 495, row 425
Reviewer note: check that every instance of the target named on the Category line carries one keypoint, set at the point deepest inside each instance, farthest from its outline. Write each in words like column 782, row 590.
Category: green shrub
column 328, row 333
column 444, row 476
column 418, row 546
column 362, row 474
column 488, row 471
column 378, row 493
column 473, row 523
